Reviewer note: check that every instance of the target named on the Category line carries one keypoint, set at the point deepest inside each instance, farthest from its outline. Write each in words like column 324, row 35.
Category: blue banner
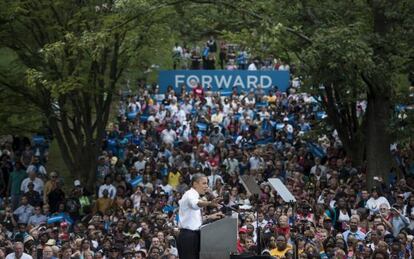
column 223, row 80
column 136, row 181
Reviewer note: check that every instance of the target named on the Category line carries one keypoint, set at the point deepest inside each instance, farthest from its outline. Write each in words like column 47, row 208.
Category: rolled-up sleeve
column 193, row 202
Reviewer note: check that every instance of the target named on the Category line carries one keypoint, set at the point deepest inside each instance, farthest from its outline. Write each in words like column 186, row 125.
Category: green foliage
column 17, row 115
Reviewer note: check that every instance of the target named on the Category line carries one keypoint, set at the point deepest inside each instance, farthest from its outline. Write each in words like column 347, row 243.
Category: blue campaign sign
column 223, row 80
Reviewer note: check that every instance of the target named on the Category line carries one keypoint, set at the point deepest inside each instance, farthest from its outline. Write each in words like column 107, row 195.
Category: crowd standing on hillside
column 161, row 139
column 229, row 57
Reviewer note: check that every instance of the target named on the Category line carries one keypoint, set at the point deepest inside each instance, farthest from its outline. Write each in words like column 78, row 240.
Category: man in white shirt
column 231, row 163
column 18, row 252
column 256, row 161
column 140, row 163
column 37, row 168
column 318, row 166
column 208, row 147
column 160, row 115
column 252, row 67
column 24, row 211
column 37, row 182
column 109, row 187
column 213, row 178
column 177, row 53
column 168, row 135
column 373, row 204
column 191, row 219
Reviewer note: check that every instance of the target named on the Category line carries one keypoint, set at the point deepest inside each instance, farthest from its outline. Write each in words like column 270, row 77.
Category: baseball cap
column 77, row 183
column 242, row 230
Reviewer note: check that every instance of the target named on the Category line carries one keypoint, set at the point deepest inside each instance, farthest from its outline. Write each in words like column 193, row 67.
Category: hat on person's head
column 136, row 235
column 400, row 195
column 51, row 242
column 53, row 174
column 242, row 230
column 285, row 119
column 77, row 183
column 28, row 238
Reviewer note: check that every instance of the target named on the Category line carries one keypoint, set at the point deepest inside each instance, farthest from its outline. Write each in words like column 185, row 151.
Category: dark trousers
column 188, row 244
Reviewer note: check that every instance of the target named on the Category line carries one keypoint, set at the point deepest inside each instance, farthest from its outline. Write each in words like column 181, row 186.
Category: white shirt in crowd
column 252, row 67
column 111, row 190
column 140, row 165
column 284, row 67
column 168, row 136
column 178, row 50
column 189, row 212
column 212, row 179
column 161, row 115
column 232, row 165
column 37, row 182
column 255, row 162
column 40, row 170
column 323, row 169
column 181, row 116
column 13, row 256
column 374, row 204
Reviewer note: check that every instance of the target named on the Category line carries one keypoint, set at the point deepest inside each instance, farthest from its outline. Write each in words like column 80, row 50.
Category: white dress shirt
column 37, row 182
column 374, row 204
column 111, row 191
column 189, row 212
column 13, row 256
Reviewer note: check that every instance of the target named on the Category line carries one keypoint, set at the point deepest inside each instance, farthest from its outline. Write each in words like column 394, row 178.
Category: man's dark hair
column 280, row 235
column 196, row 178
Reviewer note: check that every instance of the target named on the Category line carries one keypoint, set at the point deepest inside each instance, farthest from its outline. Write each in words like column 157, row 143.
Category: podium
column 218, row 239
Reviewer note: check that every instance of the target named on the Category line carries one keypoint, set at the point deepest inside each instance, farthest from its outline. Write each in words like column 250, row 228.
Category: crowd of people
column 160, row 140
column 223, row 55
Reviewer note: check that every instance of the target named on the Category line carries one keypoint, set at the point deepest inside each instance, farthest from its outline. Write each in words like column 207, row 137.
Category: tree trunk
column 356, row 151
column 378, row 137
column 81, row 163
column 345, row 121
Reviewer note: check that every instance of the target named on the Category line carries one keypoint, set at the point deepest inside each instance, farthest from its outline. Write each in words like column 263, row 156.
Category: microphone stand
column 258, row 228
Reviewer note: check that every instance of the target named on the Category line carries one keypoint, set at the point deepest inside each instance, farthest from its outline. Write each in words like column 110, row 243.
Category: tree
column 355, row 49
column 70, row 57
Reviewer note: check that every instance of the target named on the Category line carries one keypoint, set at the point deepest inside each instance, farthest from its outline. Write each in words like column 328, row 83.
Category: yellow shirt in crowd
column 275, row 252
